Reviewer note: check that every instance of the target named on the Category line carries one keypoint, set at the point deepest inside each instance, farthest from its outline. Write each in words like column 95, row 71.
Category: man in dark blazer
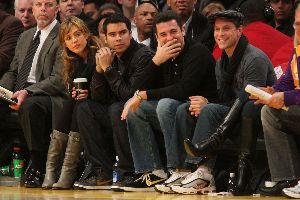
column 43, row 91
column 196, row 24
column 10, row 30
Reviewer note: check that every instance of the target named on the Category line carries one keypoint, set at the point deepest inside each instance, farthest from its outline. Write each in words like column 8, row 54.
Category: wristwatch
column 138, row 96
column 108, row 68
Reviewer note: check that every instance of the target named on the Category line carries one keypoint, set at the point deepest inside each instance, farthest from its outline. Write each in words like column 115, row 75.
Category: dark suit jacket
column 48, row 71
column 10, row 30
column 201, row 30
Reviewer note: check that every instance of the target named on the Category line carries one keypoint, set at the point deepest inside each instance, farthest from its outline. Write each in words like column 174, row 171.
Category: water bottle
column 18, row 162
column 116, row 172
column 231, row 183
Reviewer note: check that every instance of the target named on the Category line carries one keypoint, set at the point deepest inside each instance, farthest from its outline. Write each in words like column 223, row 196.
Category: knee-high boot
column 207, row 147
column 72, row 157
column 248, row 143
column 55, row 157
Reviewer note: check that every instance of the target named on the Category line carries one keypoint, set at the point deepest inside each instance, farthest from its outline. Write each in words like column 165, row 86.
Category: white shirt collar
column 47, row 29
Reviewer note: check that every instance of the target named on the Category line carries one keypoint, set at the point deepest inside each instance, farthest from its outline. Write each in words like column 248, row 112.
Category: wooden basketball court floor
column 21, row 193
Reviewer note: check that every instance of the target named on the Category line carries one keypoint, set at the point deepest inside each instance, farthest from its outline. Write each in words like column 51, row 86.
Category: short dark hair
column 233, row 16
column 109, row 6
column 166, row 17
column 114, row 19
column 97, row 3
column 102, row 17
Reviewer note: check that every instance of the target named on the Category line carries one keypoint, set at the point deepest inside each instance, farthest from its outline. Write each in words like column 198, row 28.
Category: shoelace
column 145, row 176
column 197, row 172
column 174, row 176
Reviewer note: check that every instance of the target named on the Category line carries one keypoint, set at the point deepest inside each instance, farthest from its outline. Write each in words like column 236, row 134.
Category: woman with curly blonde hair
column 79, row 49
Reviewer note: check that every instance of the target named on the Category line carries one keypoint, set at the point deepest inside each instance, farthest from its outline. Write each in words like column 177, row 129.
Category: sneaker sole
column 116, row 188
column 164, row 189
column 181, row 190
column 290, row 195
column 131, row 189
column 97, row 187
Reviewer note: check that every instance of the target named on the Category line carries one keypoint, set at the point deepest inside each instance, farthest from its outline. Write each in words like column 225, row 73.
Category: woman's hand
column 79, row 94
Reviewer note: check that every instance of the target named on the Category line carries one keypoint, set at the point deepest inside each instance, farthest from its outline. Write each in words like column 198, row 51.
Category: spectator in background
column 101, row 35
column 75, row 8
column 10, row 30
column 283, row 16
column 128, row 10
column 23, row 11
column 143, row 19
column 70, row 8
column 196, row 25
column 91, row 8
column 212, row 8
column 109, row 8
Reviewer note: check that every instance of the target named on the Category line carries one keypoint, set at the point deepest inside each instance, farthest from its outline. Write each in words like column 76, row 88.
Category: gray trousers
column 280, row 131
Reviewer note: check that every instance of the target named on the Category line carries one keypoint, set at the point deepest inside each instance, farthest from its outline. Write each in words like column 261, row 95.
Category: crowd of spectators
column 162, row 87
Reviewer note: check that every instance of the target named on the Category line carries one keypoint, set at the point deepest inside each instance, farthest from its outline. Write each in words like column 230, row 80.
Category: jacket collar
column 129, row 52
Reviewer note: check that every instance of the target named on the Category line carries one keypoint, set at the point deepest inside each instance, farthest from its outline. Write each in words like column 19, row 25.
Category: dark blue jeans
column 152, row 117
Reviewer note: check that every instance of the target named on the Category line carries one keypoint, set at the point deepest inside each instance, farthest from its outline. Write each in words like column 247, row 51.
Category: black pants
column 103, row 134
column 66, row 119
column 36, row 121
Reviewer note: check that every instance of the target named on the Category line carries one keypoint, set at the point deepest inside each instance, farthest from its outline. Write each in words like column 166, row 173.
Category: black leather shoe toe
column 34, row 179
column 277, row 189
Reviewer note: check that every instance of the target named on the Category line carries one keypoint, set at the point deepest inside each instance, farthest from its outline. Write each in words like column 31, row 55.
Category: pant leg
column 96, row 132
column 210, row 118
column 143, row 144
column 166, row 114
column 121, row 140
column 4, row 110
column 36, row 121
column 250, row 126
column 280, row 128
column 185, row 126
column 63, row 119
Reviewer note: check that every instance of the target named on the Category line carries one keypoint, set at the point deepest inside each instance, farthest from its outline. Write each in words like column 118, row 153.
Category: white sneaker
column 292, row 192
column 175, row 178
column 201, row 181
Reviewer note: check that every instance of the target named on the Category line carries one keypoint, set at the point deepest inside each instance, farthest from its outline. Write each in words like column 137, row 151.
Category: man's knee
column 32, row 104
column 267, row 116
column 115, row 109
column 167, row 106
column 183, row 111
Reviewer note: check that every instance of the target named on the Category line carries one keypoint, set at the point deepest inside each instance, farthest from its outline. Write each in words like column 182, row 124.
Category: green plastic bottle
column 18, row 162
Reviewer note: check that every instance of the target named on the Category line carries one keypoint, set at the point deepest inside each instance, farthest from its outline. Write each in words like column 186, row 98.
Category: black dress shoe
column 276, row 190
column 34, row 179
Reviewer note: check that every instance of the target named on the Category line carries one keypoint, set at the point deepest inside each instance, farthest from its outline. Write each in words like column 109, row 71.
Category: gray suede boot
column 72, row 157
column 55, row 157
